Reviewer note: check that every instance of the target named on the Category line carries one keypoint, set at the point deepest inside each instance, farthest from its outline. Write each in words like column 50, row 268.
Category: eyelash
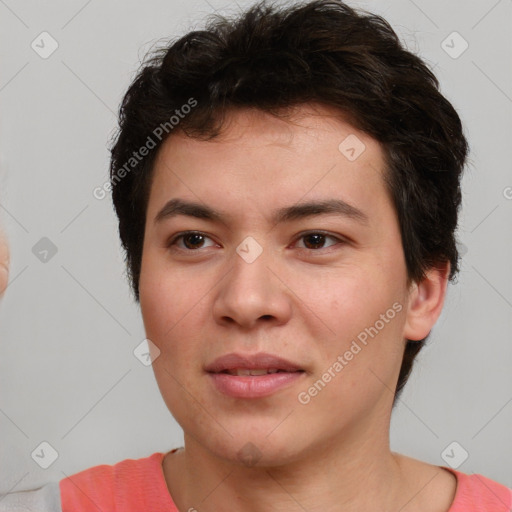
column 184, row 234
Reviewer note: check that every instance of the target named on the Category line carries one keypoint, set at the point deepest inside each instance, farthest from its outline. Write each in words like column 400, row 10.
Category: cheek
column 164, row 310
column 172, row 312
column 347, row 300
column 164, row 297
column 154, row 304
column 364, row 317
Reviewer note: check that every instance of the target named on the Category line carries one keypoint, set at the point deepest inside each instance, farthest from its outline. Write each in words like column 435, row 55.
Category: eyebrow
column 298, row 211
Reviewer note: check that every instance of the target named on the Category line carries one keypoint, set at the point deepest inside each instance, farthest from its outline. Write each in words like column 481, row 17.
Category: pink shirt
column 139, row 485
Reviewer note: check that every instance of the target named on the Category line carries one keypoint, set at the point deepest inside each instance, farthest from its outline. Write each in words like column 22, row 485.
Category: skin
column 4, row 262
column 302, row 299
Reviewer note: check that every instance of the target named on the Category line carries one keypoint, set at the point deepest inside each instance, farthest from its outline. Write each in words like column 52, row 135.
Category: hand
column 4, row 262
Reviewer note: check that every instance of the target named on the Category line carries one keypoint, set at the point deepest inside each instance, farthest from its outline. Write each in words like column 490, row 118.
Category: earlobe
column 425, row 304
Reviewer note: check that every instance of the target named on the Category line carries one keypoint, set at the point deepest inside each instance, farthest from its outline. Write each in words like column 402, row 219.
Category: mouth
column 255, row 372
column 253, row 376
column 255, row 364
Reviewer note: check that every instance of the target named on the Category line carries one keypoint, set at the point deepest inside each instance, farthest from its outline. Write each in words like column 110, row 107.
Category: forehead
column 292, row 127
column 259, row 159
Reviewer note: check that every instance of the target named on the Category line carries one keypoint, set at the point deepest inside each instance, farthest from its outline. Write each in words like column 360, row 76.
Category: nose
column 252, row 293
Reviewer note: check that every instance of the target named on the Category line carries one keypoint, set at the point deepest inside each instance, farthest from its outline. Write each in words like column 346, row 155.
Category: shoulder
column 451, row 490
column 476, row 492
column 129, row 484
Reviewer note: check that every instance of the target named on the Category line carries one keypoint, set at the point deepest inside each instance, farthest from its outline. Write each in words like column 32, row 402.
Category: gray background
column 69, row 326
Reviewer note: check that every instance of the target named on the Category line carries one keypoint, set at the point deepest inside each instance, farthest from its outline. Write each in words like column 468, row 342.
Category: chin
column 255, row 449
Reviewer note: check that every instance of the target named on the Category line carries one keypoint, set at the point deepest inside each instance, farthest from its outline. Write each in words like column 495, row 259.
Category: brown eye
column 192, row 240
column 316, row 240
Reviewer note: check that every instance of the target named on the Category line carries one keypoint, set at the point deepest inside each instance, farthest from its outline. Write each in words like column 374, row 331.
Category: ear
column 425, row 302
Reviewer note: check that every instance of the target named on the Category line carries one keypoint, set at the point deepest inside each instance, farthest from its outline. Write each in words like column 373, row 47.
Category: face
column 323, row 289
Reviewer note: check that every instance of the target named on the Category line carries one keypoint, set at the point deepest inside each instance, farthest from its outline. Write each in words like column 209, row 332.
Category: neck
column 349, row 475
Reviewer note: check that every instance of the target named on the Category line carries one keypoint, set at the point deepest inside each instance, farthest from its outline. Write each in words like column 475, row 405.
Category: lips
column 253, row 376
column 241, row 372
column 255, row 364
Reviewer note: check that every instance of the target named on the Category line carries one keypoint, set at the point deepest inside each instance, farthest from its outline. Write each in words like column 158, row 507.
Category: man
column 287, row 186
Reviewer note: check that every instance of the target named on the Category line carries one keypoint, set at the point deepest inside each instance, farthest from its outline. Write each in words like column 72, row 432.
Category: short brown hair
column 273, row 58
